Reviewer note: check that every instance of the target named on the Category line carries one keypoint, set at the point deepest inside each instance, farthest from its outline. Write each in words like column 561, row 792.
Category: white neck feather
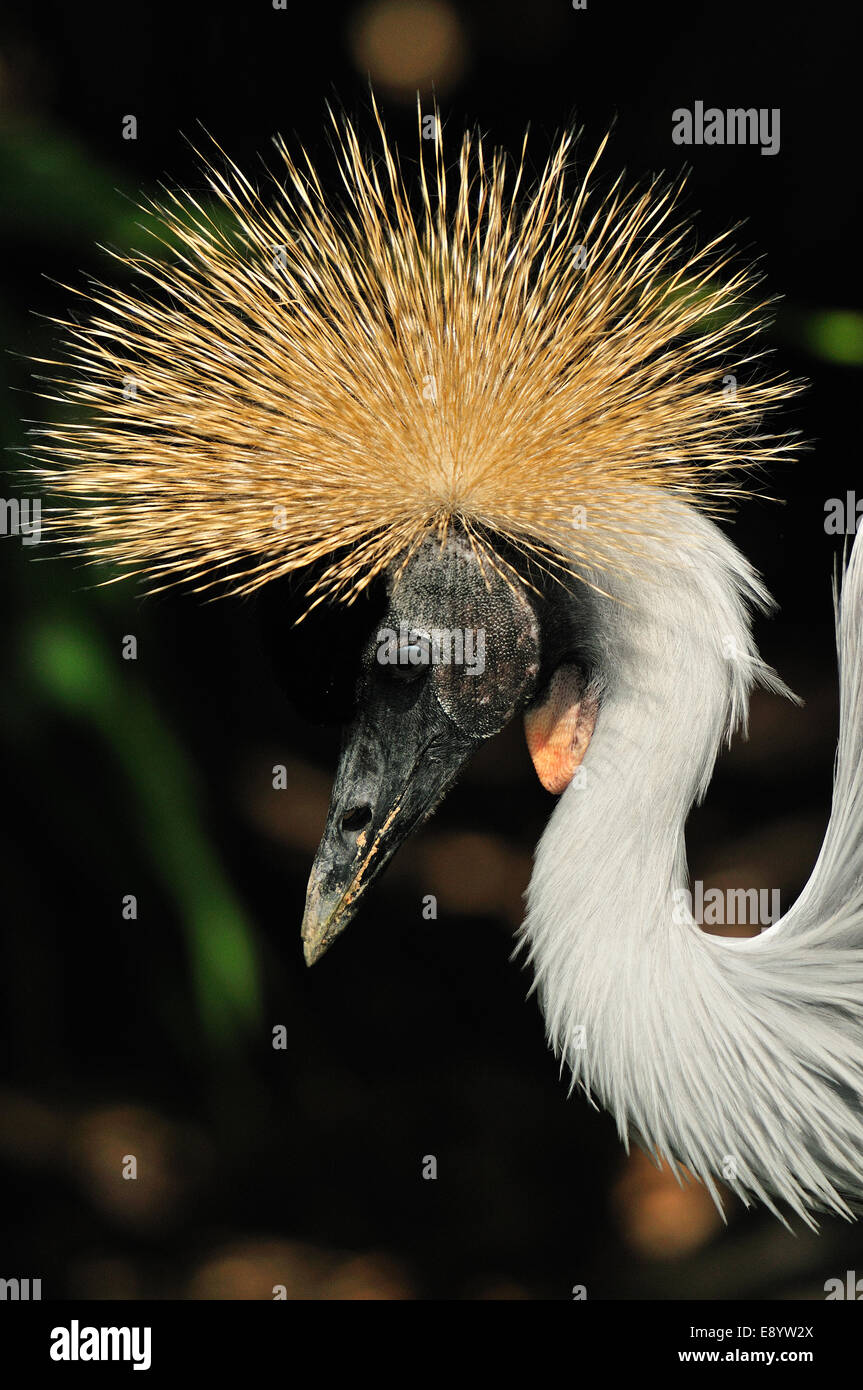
column 694, row 1043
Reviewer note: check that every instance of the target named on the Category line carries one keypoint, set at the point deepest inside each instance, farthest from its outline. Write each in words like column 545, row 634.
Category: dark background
column 152, row 1037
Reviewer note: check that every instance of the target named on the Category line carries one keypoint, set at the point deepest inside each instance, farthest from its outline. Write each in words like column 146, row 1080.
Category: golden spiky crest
column 298, row 378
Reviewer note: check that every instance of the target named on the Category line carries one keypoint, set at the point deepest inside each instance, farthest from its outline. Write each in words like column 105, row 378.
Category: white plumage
column 741, row 1058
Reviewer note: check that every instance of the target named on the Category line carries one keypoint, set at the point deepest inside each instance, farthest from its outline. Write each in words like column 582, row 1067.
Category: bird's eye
column 411, row 662
column 407, row 659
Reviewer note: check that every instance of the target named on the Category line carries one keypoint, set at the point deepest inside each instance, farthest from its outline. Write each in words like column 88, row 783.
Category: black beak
column 456, row 658
column 400, row 757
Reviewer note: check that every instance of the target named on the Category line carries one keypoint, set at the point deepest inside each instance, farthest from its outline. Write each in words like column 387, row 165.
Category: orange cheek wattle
column 559, row 730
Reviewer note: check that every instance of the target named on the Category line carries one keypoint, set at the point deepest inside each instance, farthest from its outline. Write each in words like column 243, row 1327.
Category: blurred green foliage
column 55, row 190
column 52, row 187
column 70, row 666
column 835, row 335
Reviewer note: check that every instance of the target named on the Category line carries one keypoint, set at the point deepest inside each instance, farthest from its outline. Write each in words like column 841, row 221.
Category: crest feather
column 293, row 378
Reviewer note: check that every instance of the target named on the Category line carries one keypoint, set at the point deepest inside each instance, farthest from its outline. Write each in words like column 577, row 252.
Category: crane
column 520, row 407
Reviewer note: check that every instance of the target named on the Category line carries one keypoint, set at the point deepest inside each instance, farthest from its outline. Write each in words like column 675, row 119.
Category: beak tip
column 311, row 953
column 326, row 916
column 317, row 922
column 318, row 933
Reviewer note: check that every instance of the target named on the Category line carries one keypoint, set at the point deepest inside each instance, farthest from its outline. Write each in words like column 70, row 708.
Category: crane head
column 363, row 383
column 463, row 647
